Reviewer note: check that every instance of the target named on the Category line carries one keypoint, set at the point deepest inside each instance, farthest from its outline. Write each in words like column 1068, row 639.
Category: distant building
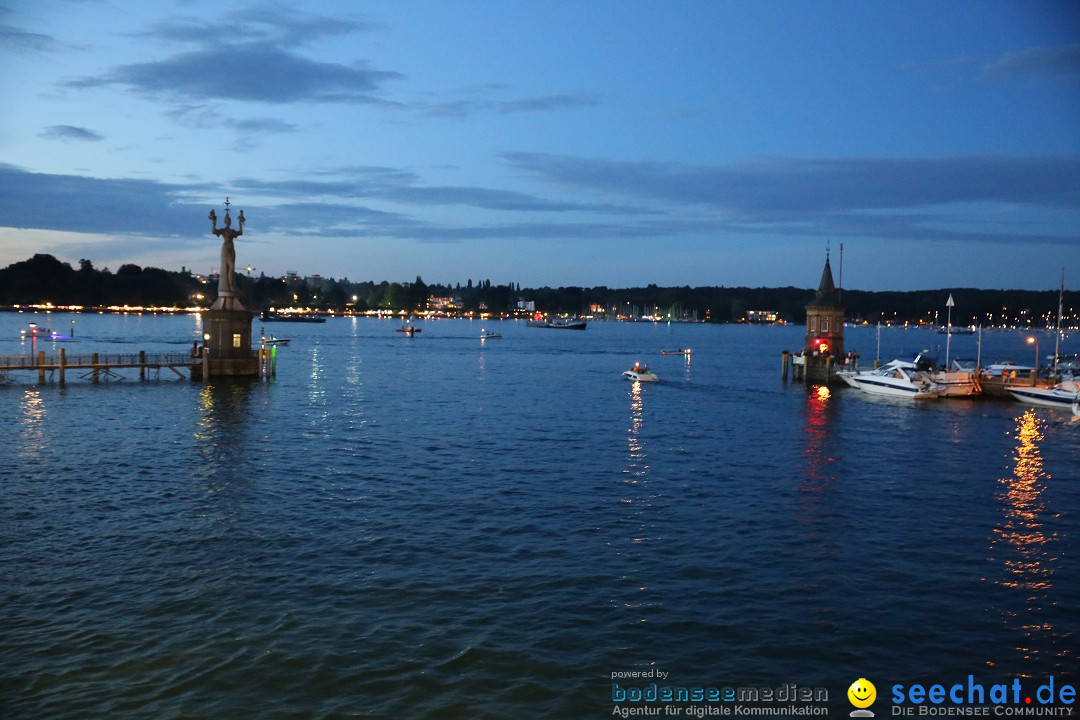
column 529, row 305
column 444, row 303
column 762, row 316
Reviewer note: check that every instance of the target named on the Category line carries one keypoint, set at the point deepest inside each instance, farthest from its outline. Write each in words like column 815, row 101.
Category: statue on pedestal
column 226, row 279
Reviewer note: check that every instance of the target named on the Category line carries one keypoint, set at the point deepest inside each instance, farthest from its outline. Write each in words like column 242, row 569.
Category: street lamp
column 1035, row 374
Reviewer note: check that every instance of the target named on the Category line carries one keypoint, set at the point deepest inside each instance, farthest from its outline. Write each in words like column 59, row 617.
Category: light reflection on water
column 1021, row 542
column 816, row 457
column 637, row 469
column 31, row 428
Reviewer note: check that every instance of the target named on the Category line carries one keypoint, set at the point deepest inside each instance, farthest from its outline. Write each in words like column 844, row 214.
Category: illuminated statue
column 226, row 279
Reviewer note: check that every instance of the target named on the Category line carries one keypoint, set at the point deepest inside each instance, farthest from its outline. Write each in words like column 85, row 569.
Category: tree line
column 43, row 278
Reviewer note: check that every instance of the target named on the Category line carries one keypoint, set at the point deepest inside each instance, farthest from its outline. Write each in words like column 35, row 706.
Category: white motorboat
column 640, row 373
column 898, row 382
column 33, row 331
column 954, row 383
column 484, row 334
column 848, row 374
column 276, row 341
column 958, row 382
column 1006, row 371
column 1063, row 395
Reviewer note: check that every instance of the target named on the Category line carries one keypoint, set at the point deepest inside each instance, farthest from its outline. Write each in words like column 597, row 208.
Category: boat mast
column 948, row 329
column 1057, row 334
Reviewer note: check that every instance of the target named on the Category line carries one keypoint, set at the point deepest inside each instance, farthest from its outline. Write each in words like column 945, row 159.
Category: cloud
column 403, row 187
column 1058, row 61
column 265, row 22
column 93, row 205
column 964, row 199
column 490, row 199
column 473, row 103
column 70, row 132
column 785, row 189
column 246, row 72
column 14, row 39
column 545, row 103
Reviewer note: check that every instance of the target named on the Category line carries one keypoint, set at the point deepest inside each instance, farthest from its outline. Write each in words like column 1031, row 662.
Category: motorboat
column 848, row 374
column 32, row 330
column 680, row 351
column 957, row 382
column 1006, row 370
column 485, row 334
column 640, row 373
column 559, row 323
column 409, row 330
column 1063, row 395
column 276, row 341
column 898, row 382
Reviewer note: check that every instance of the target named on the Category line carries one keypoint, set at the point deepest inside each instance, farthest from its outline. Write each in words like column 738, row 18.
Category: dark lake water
column 440, row 527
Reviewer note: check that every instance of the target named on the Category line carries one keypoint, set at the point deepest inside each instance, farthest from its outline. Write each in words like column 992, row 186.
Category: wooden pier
column 98, row 366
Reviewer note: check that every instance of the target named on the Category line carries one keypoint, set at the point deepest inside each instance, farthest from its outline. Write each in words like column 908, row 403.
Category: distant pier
column 96, row 367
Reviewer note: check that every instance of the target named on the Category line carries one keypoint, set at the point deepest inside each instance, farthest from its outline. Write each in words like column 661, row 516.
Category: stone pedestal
column 228, row 348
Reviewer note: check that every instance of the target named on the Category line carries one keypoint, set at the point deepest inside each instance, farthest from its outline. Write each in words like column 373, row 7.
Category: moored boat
column 1062, row 396
column 559, row 323
column 953, row 383
column 898, row 382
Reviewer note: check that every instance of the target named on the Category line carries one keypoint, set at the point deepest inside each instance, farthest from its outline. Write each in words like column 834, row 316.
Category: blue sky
column 593, row 142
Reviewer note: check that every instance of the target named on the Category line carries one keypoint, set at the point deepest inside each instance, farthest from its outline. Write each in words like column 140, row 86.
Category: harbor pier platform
column 97, row 367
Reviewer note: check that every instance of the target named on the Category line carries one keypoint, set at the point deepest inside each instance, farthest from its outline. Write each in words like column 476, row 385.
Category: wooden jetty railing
column 97, row 365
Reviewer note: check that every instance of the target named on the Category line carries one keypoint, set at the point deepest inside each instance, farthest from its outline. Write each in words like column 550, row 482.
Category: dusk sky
column 591, row 142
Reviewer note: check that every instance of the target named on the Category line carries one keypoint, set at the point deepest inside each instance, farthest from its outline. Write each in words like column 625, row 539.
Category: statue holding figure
column 226, row 279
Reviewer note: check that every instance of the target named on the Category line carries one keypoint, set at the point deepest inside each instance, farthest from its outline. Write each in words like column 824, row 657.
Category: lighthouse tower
column 825, row 321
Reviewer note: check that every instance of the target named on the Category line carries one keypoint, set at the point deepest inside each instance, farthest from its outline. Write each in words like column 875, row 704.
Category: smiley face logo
column 862, row 693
